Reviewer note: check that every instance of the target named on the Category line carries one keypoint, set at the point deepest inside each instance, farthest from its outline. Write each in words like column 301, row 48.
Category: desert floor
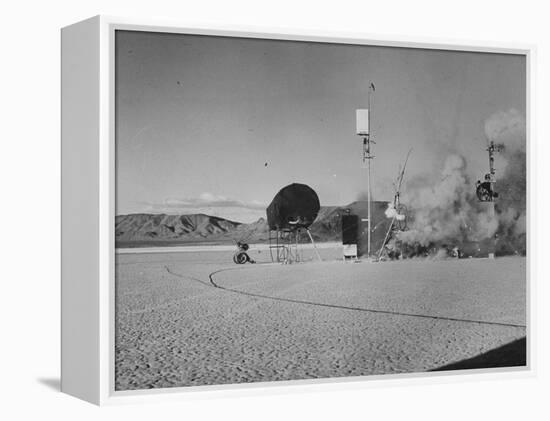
column 195, row 318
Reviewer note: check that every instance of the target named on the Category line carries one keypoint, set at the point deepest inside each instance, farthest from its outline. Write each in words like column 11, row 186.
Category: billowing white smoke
column 507, row 130
column 447, row 210
column 507, row 127
column 391, row 212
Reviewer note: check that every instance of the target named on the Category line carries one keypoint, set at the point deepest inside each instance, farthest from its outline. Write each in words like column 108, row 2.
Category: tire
column 240, row 258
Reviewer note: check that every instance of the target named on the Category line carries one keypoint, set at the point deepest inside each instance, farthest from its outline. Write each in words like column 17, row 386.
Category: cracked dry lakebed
column 195, row 318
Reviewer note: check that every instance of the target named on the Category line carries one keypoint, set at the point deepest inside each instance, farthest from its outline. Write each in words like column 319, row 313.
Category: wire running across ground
column 334, row 306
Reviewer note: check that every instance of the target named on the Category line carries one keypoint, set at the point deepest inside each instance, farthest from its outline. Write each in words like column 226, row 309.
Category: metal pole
column 368, row 205
column 365, row 134
column 386, row 238
column 314, row 245
column 369, row 175
column 491, row 150
column 493, row 243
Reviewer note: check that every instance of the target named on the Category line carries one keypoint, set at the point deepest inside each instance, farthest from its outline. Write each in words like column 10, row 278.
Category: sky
column 219, row 125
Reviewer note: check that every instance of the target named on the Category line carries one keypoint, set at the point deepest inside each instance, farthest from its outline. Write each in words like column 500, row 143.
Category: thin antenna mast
column 400, row 180
column 368, row 157
column 396, row 202
column 363, row 130
column 486, row 190
column 491, row 149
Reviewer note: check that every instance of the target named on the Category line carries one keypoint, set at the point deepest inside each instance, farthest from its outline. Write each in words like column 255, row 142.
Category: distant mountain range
column 144, row 230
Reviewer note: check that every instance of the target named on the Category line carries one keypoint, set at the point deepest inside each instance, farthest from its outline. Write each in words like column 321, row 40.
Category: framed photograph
column 245, row 209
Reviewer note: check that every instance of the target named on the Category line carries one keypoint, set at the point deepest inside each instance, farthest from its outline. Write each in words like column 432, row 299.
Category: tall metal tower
column 491, row 148
column 363, row 130
column 486, row 190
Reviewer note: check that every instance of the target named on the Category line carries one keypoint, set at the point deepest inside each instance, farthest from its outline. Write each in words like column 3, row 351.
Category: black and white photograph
column 294, row 210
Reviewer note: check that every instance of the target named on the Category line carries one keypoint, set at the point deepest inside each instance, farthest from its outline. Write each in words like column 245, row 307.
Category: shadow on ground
column 53, row 383
column 512, row 354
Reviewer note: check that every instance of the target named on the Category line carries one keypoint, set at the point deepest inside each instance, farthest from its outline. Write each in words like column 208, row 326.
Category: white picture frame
column 88, row 208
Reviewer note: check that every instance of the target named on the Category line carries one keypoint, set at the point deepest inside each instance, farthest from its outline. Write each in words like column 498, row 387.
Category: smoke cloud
column 506, row 127
column 445, row 209
column 391, row 212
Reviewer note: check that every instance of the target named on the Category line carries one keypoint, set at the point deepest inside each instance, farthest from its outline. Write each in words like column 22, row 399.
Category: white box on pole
column 362, row 122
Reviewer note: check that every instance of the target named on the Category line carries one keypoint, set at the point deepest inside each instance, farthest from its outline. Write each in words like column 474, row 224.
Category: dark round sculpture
column 295, row 206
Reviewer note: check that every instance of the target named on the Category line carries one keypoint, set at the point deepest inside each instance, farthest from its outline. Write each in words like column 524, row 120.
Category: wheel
column 240, row 258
